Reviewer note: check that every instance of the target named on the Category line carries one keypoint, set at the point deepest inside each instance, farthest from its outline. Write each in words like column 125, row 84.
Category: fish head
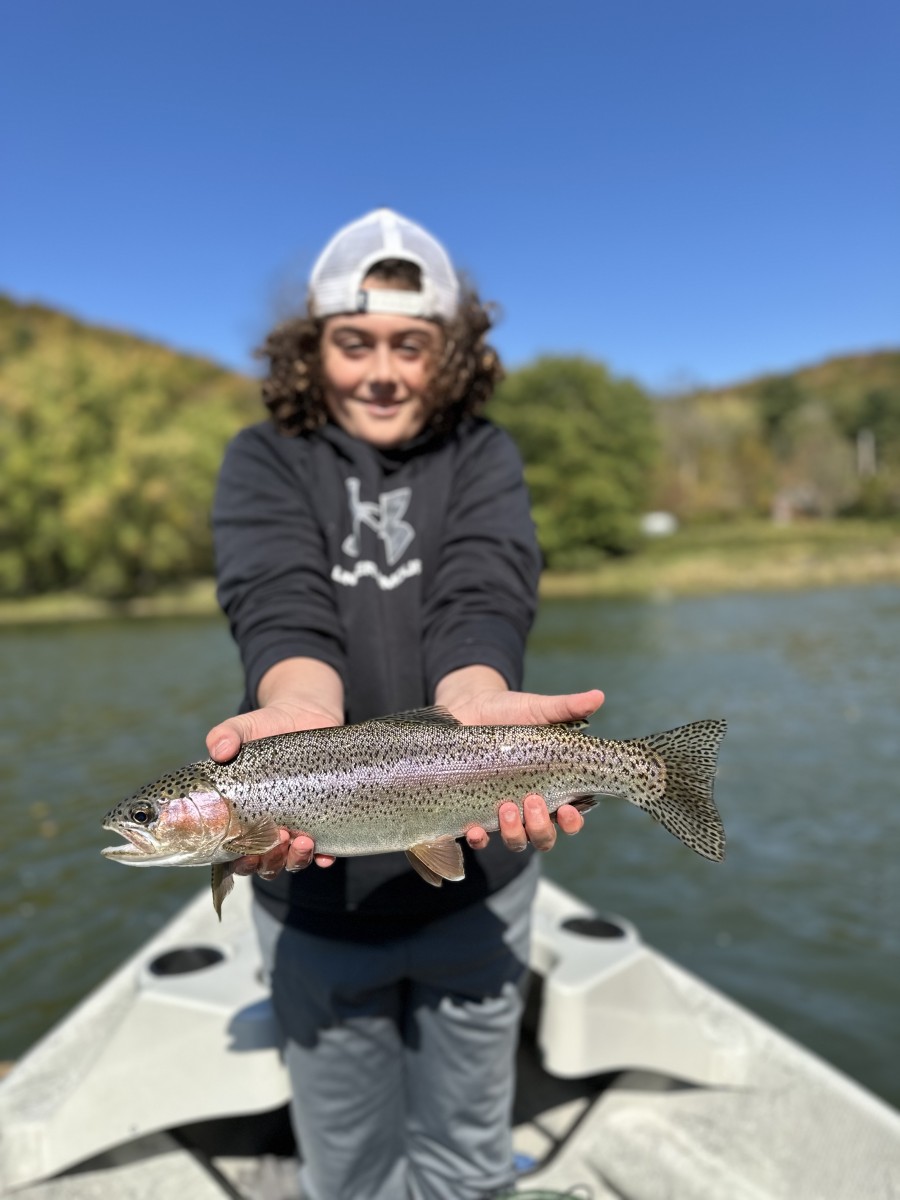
column 181, row 820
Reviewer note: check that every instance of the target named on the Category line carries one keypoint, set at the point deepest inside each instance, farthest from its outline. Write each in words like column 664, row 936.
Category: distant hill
column 822, row 440
column 110, row 446
column 844, row 384
column 22, row 323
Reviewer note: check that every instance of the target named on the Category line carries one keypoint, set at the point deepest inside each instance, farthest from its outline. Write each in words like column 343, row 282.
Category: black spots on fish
column 143, row 807
column 697, row 743
column 685, row 805
column 648, row 773
column 387, row 785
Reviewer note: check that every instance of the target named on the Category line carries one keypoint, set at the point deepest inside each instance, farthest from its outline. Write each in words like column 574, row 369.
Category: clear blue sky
column 686, row 189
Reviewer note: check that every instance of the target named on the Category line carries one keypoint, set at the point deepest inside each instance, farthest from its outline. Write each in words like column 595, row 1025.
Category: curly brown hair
column 464, row 379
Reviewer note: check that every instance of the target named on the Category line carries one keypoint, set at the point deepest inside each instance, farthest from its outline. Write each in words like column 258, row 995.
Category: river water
column 800, row 923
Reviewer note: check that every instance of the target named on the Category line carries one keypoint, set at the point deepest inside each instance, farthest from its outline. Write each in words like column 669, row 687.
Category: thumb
column 224, row 740
column 576, row 706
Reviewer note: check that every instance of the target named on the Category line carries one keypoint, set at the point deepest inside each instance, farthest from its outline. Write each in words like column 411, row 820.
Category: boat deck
column 635, row 1080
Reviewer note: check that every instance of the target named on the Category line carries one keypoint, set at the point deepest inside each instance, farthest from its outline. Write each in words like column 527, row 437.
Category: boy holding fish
column 375, row 554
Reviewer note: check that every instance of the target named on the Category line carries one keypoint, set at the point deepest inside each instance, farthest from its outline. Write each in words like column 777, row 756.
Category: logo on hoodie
column 385, row 518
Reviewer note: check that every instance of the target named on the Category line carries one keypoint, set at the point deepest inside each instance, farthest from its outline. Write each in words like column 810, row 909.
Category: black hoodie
column 395, row 567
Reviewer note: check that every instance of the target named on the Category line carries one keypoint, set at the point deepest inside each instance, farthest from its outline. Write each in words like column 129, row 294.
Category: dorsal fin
column 435, row 715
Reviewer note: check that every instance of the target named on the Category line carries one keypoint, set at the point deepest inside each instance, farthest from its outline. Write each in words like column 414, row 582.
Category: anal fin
column 582, row 803
column 437, row 861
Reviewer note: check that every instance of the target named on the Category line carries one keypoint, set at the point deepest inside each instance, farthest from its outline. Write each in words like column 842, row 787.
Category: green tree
column 715, row 462
column 109, row 448
column 778, row 397
column 589, row 444
column 817, row 462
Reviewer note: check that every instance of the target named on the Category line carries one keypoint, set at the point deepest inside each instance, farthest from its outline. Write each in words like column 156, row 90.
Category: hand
column 295, row 852
column 492, row 706
column 225, row 740
column 539, row 827
column 478, row 696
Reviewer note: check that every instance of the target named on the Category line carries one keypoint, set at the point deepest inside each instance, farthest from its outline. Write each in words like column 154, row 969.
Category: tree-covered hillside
column 110, row 445
column 821, row 441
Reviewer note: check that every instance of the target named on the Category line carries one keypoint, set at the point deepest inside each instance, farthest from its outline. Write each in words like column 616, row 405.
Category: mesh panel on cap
column 341, row 267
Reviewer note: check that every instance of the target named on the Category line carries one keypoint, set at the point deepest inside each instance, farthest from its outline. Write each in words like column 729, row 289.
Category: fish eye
column 141, row 814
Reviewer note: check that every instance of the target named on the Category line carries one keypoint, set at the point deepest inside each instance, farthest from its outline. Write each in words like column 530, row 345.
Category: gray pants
column 401, row 1055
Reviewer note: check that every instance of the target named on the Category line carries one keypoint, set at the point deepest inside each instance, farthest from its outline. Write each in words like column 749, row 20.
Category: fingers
column 537, row 827
column 291, row 854
column 267, row 865
column 477, row 837
column 540, row 829
column 302, row 852
column 569, row 819
column 511, row 828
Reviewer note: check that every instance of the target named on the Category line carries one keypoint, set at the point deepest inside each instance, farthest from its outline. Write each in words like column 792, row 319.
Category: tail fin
column 686, row 807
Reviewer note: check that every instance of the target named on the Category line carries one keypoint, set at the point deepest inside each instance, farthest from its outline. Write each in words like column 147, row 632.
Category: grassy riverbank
column 196, row 598
column 745, row 556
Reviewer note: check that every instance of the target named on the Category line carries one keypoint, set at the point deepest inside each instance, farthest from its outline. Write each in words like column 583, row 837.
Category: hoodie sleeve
column 483, row 599
column 271, row 568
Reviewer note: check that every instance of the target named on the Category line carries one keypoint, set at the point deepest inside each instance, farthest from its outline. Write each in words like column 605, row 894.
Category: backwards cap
column 335, row 285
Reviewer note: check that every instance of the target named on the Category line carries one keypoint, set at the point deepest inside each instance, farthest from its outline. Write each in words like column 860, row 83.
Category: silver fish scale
column 389, row 785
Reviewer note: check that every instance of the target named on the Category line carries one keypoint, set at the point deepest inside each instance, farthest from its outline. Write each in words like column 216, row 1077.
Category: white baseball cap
column 335, row 285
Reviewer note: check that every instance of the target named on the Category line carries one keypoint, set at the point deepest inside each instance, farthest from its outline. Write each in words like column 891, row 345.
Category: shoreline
column 745, row 557
column 713, row 575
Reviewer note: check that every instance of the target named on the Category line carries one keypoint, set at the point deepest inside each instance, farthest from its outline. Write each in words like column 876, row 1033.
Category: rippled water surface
column 800, row 923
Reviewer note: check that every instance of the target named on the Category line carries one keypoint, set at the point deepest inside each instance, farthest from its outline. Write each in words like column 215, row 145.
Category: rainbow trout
column 416, row 781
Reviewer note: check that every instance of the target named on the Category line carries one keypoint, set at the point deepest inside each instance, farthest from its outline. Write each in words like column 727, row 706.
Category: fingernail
column 221, row 748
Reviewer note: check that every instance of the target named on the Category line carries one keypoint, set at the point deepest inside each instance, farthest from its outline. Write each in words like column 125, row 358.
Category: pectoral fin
column 222, row 883
column 255, row 837
column 437, row 861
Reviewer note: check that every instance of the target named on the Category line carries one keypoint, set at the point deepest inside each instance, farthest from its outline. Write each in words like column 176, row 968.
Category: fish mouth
column 140, row 844
column 142, row 849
